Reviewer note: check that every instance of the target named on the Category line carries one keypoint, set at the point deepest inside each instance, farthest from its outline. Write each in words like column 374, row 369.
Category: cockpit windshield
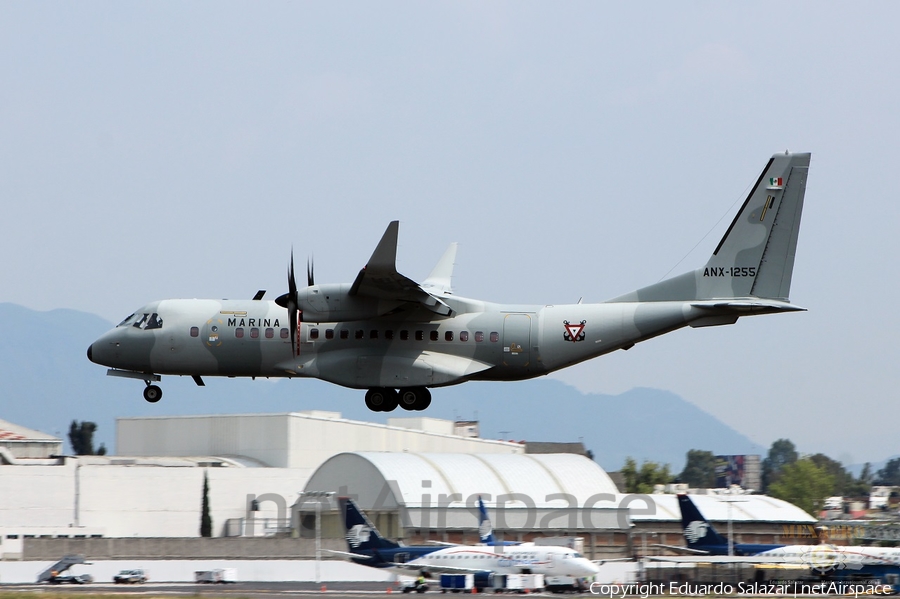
column 145, row 320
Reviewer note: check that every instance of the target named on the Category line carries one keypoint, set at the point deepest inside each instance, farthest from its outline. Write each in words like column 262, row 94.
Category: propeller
column 310, row 273
column 289, row 301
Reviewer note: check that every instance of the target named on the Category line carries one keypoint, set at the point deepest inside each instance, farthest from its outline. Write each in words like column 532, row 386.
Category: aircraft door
column 517, row 341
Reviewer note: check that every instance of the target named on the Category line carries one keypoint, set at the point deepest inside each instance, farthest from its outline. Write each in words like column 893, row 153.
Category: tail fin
column 756, row 256
column 361, row 534
column 698, row 533
column 485, row 529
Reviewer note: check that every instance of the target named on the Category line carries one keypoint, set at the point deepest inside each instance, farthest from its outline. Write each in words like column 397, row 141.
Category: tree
column 699, row 469
column 804, row 484
column 889, row 476
column 205, row 517
column 641, row 480
column 81, row 437
column 780, row 455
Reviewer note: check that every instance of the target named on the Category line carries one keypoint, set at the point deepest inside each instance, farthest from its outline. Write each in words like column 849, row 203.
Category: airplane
column 397, row 338
column 368, row 547
column 702, row 538
column 708, row 546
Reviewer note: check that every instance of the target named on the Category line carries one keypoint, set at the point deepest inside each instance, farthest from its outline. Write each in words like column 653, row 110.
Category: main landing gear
column 383, row 399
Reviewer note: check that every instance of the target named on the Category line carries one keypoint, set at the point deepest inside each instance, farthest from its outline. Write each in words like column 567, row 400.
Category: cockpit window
column 126, row 321
column 148, row 321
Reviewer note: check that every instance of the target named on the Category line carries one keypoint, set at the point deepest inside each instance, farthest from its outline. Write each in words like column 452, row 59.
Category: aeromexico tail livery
column 824, row 559
column 397, row 338
column 702, row 538
column 368, row 548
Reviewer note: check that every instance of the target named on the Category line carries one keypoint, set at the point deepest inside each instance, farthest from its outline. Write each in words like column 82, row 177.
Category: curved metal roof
column 744, row 508
column 418, row 480
column 422, row 477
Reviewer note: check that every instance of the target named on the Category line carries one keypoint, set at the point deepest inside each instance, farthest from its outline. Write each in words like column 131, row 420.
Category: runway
column 261, row 590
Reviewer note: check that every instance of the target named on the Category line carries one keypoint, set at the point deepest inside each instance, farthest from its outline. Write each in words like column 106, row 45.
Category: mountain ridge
column 46, row 381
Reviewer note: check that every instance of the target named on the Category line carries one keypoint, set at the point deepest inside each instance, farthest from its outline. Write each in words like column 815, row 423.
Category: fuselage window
column 389, row 334
column 329, row 333
column 239, row 333
column 195, row 331
column 404, row 335
column 420, row 335
column 448, row 336
column 359, row 333
column 314, row 333
column 464, row 335
column 284, row 334
column 345, row 333
column 434, row 335
column 373, row 334
column 479, row 336
column 270, row 333
column 254, row 333
column 495, row 337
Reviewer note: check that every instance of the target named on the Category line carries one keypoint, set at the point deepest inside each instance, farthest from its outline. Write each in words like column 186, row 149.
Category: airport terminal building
column 417, row 478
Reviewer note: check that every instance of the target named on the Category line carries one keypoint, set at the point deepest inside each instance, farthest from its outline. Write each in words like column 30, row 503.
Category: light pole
column 318, row 496
column 730, row 526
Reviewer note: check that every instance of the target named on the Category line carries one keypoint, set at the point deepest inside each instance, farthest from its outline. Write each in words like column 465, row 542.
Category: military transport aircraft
column 397, row 338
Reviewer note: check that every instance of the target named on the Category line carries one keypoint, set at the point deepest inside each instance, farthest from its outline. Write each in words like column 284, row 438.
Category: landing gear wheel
column 414, row 398
column 152, row 393
column 380, row 399
column 408, row 398
column 425, row 399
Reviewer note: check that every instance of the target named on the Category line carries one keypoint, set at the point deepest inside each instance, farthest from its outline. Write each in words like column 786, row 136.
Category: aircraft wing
column 348, row 554
column 439, row 569
column 681, row 549
column 719, row 559
column 379, row 278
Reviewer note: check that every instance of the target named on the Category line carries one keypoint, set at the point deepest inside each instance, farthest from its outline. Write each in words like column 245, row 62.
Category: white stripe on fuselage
column 508, row 561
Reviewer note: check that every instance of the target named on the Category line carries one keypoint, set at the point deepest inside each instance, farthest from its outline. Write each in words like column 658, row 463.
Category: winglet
column 439, row 279
column 385, row 255
column 384, row 258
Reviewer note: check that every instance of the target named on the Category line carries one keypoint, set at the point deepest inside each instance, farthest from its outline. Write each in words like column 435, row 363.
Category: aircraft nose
column 90, row 352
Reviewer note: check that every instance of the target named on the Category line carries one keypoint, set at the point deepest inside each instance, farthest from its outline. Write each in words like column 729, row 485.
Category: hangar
column 419, row 479
column 419, row 496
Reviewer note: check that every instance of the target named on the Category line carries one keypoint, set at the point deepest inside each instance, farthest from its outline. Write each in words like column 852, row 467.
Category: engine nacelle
column 332, row 303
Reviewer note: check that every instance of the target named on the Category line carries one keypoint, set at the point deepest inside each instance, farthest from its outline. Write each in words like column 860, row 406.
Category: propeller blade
column 289, row 301
column 310, row 273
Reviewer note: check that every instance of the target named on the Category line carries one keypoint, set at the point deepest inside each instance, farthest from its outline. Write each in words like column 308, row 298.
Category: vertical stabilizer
column 485, row 529
column 361, row 534
column 755, row 258
column 698, row 532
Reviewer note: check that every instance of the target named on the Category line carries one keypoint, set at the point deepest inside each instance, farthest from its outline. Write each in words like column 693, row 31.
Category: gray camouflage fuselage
column 386, row 331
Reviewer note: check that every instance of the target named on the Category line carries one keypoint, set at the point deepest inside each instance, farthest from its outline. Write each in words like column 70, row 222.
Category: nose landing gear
column 382, row 399
column 152, row 393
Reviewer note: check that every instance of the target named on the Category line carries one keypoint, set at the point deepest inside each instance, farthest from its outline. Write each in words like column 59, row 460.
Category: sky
column 579, row 149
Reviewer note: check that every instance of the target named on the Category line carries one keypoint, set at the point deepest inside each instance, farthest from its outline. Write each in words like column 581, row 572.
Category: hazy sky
column 154, row 150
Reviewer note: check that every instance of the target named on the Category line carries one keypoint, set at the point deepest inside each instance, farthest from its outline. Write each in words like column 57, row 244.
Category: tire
column 152, row 393
column 380, row 399
column 408, row 398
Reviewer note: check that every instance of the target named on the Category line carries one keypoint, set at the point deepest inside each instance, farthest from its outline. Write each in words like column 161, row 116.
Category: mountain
column 46, row 381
